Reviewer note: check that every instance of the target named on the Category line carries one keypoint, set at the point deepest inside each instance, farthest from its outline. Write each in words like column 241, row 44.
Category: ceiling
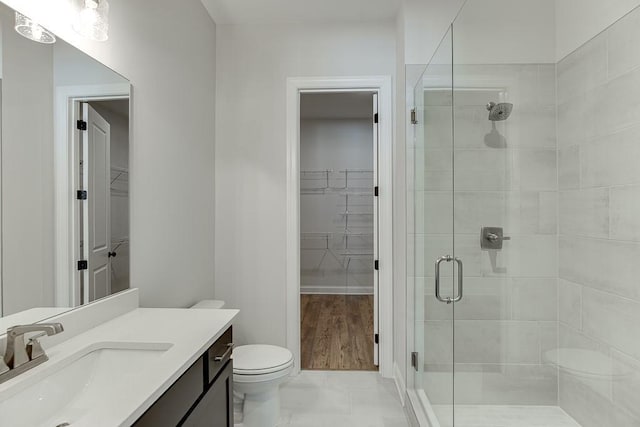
column 118, row 106
column 337, row 105
column 300, row 11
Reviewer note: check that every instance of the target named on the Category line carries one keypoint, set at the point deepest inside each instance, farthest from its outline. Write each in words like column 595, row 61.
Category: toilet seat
column 260, row 359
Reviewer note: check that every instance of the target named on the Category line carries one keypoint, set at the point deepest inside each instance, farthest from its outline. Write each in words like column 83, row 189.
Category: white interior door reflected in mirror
column 96, row 177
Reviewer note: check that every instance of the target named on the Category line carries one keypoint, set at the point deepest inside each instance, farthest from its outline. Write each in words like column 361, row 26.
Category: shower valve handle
column 492, row 238
column 495, row 238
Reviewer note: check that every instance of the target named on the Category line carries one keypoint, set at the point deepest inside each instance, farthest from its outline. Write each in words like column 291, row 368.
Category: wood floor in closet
column 337, row 332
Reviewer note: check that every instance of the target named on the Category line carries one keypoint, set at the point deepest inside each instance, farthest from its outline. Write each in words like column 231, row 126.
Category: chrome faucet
column 18, row 357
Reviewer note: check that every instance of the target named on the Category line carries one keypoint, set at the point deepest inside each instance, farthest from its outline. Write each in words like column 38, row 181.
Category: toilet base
column 261, row 409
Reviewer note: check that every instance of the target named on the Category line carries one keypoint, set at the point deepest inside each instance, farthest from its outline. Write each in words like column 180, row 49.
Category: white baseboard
column 417, row 410
column 401, row 384
column 336, row 290
column 410, row 413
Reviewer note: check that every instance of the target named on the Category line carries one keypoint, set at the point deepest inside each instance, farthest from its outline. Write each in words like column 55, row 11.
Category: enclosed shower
column 524, row 223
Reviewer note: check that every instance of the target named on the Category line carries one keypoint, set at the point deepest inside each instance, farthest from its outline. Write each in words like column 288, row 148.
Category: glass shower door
column 432, row 232
column 506, row 216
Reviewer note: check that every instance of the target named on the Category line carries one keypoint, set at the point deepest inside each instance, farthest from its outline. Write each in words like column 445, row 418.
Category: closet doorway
column 339, row 230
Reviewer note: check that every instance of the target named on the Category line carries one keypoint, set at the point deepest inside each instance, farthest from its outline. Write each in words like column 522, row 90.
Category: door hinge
column 376, row 191
column 376, row 338
column 414, row 117
column 375, row 118
column 376, row 265
column 81, row 125
column 414, row 360
column 83, row 265
column 82, row 195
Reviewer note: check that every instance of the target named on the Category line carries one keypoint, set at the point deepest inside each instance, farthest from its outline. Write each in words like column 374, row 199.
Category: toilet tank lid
column 209, row 303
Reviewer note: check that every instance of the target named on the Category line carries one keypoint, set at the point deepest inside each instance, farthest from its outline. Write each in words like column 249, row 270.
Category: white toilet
column 258, row 371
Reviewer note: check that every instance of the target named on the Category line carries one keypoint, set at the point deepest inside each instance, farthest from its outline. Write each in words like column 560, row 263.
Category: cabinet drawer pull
column 226, row 353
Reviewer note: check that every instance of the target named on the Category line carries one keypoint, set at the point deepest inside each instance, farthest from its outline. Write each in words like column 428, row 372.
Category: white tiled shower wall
column 507, row 319
column 599, row 222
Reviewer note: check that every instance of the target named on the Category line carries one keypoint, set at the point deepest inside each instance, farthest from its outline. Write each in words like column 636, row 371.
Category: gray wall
column 251, row 157
column 27, row 171
column 599, row 177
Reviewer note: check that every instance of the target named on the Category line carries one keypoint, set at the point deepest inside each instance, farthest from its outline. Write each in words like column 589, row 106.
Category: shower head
column 499, row 112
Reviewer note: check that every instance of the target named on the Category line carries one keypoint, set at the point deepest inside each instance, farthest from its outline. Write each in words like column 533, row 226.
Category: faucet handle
column 16, row 354
column 34, row 348
column 46, row 328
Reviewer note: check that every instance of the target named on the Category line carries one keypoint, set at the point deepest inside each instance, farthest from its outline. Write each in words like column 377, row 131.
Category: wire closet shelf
column 349, row 248
column 347, row 181
column 119, row 181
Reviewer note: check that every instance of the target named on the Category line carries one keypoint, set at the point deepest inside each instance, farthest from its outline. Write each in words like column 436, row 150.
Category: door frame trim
column 382, row 85
column 66, row 211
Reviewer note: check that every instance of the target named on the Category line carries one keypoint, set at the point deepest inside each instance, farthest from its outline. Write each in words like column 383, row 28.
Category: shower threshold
column 504, row 416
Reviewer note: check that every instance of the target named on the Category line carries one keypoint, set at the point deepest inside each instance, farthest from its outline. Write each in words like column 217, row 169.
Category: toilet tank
column 209, row 303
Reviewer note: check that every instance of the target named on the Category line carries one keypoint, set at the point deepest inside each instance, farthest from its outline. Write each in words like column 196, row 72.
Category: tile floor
column 505, row 416
column 363, row 399
column 340, row 399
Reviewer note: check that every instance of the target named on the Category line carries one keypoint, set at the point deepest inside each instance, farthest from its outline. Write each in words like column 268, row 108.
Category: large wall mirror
column 64, row 176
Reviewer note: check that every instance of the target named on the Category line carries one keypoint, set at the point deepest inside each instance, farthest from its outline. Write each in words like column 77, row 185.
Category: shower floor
column 337, row 332
column 505, row 416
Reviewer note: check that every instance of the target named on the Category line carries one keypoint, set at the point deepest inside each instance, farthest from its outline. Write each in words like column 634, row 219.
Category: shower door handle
column 460, row 280
column 449, row 258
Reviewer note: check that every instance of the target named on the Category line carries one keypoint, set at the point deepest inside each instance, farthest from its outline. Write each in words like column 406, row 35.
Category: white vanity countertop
column 190, row 331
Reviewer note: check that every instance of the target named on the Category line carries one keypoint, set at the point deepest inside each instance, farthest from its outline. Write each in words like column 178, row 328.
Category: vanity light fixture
column 30, row 29
column 92, row 20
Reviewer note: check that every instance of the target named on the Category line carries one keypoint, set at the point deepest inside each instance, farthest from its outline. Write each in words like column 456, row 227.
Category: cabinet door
column 215, row 409
column 176, row 402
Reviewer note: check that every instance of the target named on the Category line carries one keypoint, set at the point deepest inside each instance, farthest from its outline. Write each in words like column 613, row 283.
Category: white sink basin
column 65, row 391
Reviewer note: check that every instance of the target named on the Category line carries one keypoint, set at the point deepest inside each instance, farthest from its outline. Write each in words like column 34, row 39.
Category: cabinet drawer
column 177, row 401
column 219, row 354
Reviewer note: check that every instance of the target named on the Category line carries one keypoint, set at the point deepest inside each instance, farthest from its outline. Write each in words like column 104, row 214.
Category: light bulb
column 88, row 18
column 30, row 29
column 92, row 20
column 36, row 30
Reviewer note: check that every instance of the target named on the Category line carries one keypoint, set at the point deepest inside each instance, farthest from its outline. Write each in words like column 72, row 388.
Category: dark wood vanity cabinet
column 215, row 409
column 202, row 396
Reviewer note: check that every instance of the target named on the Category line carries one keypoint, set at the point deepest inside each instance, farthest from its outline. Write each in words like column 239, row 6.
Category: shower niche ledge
column 586, row 363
